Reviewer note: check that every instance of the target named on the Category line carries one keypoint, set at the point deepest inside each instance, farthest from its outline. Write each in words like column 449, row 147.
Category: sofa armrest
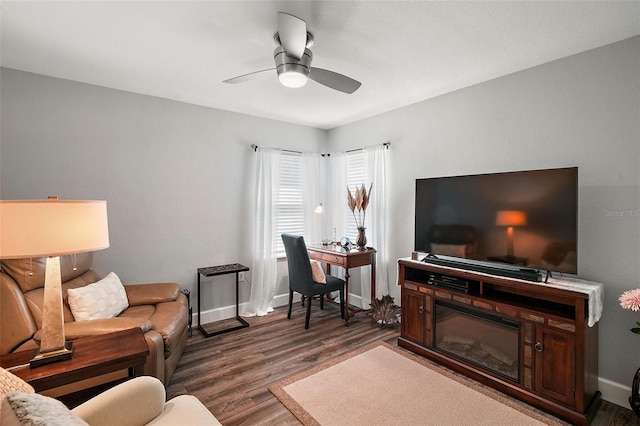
column 151, row 294
column 78, row 329
column 134, row 402
column 185, row 410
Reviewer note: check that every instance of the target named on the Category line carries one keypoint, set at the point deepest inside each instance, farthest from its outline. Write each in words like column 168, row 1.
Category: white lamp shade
column 36, row 228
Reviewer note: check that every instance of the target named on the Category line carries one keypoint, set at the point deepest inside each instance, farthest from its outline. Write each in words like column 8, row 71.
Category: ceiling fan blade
column 293, row 34
column 334, row 80
column 251, row 76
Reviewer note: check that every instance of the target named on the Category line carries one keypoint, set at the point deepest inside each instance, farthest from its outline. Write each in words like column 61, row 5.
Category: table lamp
column 510, row 218
column 320, row 210
column 52, row 228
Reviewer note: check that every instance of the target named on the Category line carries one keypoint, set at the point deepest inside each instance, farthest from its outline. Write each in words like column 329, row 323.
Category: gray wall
column 582, row 111
column 179, row 178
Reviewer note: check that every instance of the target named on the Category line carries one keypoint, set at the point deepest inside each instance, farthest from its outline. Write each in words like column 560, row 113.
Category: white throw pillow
column 36, row 409
column 11, row 383
column 103, row 299
column 318, row 272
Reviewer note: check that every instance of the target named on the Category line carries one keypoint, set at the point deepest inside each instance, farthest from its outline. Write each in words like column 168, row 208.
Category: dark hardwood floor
column 230, row 373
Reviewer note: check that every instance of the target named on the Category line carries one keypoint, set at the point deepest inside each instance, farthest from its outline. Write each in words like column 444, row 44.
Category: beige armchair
column 139, row 401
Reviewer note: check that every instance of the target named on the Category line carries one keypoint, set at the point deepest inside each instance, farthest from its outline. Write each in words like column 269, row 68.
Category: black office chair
column 301, row 276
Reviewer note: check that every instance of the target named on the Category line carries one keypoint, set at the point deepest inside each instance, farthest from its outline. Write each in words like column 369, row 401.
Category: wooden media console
column 537, row 342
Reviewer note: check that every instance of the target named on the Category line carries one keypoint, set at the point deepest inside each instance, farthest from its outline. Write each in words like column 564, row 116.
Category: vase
column 361, row 241
column 634, row 399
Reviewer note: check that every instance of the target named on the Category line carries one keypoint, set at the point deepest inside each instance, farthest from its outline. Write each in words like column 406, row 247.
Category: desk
column 338, row 256
column 92, row 356
column 211, row 271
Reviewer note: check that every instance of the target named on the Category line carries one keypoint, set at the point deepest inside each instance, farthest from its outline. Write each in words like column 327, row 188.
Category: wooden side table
column 212, row 271
column 92, row 356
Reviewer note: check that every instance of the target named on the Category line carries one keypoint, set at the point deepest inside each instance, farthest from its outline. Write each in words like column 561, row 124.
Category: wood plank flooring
column 230, row 373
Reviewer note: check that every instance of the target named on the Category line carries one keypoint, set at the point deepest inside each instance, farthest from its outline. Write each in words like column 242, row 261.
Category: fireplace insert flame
column 485, row 340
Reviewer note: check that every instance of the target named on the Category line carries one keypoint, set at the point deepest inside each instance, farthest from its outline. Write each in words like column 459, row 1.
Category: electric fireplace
column 532, row 341
column 486, row 340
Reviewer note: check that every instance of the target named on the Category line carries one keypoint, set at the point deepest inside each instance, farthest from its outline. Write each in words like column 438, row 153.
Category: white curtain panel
column 377, row 218
column 311, row 182
column 377, row 214
column 336, row 207
column 264, row 270
column 337, row 196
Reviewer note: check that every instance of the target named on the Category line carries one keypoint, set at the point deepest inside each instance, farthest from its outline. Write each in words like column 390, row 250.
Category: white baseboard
column 217, row 314
column 226, row 312
column 613, row 392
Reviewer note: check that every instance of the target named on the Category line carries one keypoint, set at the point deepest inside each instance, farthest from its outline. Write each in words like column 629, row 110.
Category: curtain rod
column 387, row 144
column 255, row 148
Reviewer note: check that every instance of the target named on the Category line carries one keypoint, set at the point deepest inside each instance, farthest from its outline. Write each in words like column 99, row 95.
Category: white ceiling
column 402, row 51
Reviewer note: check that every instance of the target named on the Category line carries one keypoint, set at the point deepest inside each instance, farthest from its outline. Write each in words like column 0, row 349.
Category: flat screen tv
column 524, row 219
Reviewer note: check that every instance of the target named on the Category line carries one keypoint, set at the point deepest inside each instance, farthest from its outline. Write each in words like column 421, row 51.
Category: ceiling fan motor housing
column 294, row 70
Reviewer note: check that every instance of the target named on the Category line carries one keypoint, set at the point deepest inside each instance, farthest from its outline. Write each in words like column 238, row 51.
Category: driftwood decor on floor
column 231, row 373
column 384, row 311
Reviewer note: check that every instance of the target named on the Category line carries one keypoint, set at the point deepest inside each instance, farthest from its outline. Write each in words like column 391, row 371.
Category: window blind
column 290, row 214
column 355, row 178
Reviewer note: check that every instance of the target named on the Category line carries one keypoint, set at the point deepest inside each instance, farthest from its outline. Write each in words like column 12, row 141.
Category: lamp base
column 42, row 358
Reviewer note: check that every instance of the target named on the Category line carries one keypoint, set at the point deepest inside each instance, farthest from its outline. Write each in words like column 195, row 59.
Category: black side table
column 211, row 271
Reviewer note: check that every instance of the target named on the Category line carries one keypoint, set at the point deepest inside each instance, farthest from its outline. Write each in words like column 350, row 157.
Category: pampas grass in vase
column 359, row 202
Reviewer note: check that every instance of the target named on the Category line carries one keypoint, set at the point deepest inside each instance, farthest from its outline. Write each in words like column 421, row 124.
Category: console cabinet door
column 414, row 313
column 555, row 364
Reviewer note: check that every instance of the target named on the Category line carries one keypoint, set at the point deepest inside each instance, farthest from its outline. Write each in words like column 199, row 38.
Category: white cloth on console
column 593, row 289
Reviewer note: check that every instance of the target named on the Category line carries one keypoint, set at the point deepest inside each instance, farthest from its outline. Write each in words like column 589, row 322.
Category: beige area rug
column 382, row 384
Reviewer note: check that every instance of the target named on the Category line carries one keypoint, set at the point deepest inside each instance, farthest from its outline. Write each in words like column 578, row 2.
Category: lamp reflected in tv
column 510, row 219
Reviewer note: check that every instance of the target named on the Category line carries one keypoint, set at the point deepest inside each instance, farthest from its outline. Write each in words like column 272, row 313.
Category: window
column 289, row 212
column 355, row 178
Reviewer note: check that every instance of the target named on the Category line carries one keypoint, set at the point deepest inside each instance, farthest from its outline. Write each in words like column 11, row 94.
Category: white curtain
column 377, row 214
column 311, row 197
column 337, row 201
column 264, row 270
column 377, row 217
column 337, row 195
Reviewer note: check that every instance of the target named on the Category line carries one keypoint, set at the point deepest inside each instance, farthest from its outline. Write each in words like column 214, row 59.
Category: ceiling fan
column 293, row 59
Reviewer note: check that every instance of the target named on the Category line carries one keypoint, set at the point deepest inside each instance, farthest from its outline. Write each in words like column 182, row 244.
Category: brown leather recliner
column 159, row 309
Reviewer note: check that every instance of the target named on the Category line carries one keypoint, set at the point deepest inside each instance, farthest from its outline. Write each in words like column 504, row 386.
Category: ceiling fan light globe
column 293, row 79
column 292, row 72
